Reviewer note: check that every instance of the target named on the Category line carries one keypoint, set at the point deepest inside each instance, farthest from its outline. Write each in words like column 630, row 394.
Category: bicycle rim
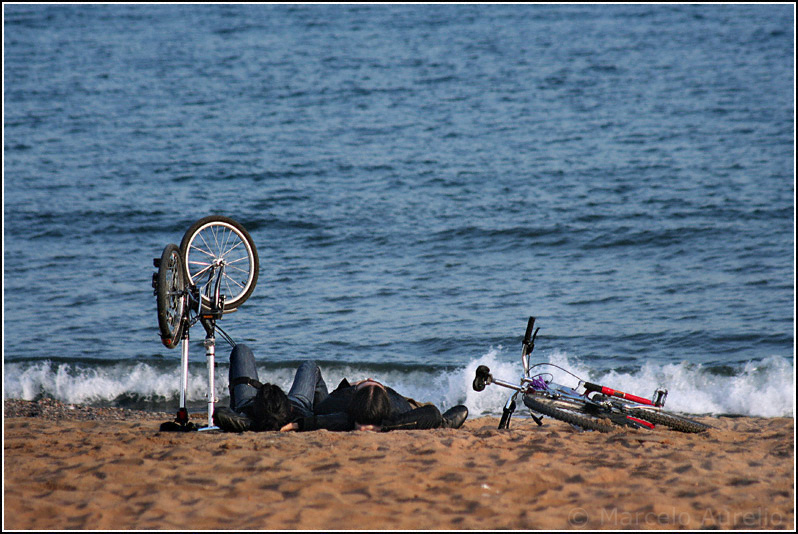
column 170, row 296
column 218, row 241
column 569, row 411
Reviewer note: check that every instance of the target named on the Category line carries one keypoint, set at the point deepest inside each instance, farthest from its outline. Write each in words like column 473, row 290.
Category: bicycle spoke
column 231, row 249
column 195, row 276
column 229, row 279
column 224, row 250
column 238, row 269
column 224, row 243
column 207, row 251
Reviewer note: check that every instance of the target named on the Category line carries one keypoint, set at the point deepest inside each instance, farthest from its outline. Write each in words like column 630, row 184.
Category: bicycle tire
column 567, row 411
column 221, row 240
column 676, row 422
column 170, row 296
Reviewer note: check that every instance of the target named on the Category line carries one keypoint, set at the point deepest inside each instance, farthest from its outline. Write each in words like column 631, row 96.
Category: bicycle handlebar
column 529, row 337
column 529, row 326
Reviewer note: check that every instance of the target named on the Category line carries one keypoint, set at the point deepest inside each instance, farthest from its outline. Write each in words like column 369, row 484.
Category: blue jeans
column 306, row 392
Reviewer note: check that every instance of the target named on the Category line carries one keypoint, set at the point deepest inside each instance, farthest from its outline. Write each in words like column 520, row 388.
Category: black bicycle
column 211, row 273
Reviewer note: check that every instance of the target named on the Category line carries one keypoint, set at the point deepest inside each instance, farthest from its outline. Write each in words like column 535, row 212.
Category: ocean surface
column 419, row 180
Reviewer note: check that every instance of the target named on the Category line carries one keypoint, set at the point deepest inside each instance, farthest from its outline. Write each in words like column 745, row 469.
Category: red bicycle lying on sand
column 590, row 406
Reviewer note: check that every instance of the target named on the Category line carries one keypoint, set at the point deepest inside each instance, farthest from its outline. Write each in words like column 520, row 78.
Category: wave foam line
column 764, row 388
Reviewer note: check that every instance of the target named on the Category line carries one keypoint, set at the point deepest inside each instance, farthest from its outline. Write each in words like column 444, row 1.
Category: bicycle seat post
column 208, row 318
column 184, row 377
column 210, row 355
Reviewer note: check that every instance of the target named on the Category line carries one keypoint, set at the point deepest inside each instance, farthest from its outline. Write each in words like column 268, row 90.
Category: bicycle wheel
column 569, row 411
column 676, row 422
column 217, row 242
column 170, row 296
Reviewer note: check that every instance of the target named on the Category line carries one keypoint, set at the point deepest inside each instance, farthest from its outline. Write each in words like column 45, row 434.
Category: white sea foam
column 762, row 388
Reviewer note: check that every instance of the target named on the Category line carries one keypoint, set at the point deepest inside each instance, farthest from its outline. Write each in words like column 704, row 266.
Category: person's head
column 370, row 403
column 270, row 409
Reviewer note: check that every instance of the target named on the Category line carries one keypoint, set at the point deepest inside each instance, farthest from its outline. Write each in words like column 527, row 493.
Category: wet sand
column 86, row 468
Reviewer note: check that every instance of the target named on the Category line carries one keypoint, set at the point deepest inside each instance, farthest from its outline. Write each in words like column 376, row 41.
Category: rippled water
column 419, row 179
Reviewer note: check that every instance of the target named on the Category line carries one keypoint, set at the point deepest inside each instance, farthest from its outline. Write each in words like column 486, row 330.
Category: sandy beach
column 73, row 467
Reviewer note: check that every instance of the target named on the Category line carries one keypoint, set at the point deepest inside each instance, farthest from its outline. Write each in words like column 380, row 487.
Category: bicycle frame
column 614, row 400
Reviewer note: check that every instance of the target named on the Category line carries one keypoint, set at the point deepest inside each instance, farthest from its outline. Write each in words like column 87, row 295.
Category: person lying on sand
column 364, row 405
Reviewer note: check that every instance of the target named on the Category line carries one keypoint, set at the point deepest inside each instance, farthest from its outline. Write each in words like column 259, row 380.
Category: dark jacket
column 331, row 413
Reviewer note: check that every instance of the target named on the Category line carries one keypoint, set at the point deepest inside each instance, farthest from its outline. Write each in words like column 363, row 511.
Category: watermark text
column 697, row 519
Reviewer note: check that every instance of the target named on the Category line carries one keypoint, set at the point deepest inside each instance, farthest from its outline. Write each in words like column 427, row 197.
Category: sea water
column 419, row 180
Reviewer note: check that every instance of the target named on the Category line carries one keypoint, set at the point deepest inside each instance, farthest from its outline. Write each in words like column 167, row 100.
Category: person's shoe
column 229, row 421
column 455, row 417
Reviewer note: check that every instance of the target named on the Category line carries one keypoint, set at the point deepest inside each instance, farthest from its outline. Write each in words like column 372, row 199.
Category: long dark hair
column 370, row 405
column 270, row 409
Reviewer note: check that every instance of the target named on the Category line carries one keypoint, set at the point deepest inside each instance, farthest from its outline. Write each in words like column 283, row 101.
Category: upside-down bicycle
column 211, row 273
column 588, row 405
